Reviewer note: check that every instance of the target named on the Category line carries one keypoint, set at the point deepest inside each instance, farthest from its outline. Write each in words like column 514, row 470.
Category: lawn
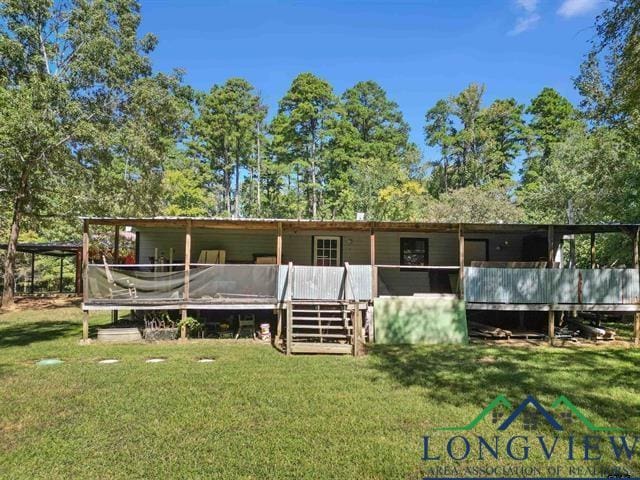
column 255, row 413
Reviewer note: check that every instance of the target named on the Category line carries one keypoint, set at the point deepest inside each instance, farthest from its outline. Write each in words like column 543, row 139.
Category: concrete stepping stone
column 155, row 360
column 49, row 361
column 108, row 361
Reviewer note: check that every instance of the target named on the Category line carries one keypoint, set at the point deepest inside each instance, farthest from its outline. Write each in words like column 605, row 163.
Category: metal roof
column 50, row 249
column 322, row 224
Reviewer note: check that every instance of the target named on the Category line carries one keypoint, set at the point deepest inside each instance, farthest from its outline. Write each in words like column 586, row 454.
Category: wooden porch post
column 551, row 251
column 187, row 268
column 461, row 261
column 85, row 278
column 78, row 282
column 593, row 250
column 374, row 269
column 636, row 265
column 552, row 325
column 85, row 325
column 278, row 336
column 33, row 273
column 289, row 316
column 636, row 235
column 116, row 245
column 60, row 286
column 279, row 245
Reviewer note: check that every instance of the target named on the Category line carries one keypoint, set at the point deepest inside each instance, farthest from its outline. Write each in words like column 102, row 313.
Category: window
column 414, row 251
column 326, row 251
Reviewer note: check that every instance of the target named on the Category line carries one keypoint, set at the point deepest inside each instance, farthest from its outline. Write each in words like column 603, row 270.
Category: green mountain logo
column 561, row 401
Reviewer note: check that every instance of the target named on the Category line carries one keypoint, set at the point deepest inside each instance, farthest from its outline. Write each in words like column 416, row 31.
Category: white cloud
column 529, row 17
column 572, row 8
column 528, row 5
column 525, row 23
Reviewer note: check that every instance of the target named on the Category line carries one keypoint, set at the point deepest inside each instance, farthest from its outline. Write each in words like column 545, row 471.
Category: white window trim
column 326, row 237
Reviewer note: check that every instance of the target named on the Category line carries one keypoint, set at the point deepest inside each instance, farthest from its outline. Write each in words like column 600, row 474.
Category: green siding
column 420, row 320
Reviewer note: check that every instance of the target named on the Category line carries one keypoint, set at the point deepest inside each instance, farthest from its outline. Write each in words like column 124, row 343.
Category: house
column 330, row 285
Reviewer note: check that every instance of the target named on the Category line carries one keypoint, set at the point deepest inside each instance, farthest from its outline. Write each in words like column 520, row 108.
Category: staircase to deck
column 320, row 326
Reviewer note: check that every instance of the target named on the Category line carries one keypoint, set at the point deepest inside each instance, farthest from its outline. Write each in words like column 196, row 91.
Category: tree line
column 89, row 128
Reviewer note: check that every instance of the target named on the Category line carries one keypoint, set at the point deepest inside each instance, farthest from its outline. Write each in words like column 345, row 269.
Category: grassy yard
column 255, row 413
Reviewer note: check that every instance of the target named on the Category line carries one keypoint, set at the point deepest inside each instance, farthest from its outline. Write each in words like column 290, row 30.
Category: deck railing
column 551, row 286
column 325, row 283
column 223, row 283
column 207, row 283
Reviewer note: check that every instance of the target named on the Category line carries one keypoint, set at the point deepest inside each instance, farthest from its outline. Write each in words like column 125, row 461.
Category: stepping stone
column 108, row 361
column 155, row 360
column 50, row 361
column 205, row 360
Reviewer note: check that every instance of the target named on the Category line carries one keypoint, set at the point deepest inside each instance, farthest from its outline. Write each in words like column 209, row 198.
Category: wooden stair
column 320, row 326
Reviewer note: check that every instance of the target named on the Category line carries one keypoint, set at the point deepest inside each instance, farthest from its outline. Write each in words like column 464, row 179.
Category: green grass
column 255, row 413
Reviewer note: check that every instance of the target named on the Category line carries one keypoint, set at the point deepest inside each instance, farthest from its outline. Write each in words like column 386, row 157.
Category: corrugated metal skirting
column 551, row 286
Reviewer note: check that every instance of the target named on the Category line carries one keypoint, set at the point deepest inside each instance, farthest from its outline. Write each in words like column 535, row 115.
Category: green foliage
column 490, row 203
column 300, row 135
column 477, row 145
column 184, row 184
column 193, row 326
column 86, row 125
column 553, row 118
column 225, row 134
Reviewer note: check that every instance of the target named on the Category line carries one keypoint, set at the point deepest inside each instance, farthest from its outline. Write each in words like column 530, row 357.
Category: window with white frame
column 326, row 251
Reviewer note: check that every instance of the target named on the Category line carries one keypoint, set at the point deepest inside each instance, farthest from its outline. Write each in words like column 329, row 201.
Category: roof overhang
column 395, row 226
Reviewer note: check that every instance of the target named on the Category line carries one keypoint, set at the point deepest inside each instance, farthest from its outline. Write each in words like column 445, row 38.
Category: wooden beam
column 116, row 245
column 593, row 250
column 33, row 273
column 551, row 251
column 635, row 248
column 551, row 319
column 374, row 269
column 60, row 283
column 279, row 245
column 187, row 268
column 289, row 316
column 85, row 261
column 78, row 282
column 357, row 322
column 461, row 262
column 85, row 325
column 561, row 307
column 636, row 265
column 289, row 326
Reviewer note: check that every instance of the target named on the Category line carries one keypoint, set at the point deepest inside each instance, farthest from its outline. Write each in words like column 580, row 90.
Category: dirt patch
column 41, row 303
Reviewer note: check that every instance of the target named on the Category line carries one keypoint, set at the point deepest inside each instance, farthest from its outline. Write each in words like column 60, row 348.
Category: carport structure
column 56, row 250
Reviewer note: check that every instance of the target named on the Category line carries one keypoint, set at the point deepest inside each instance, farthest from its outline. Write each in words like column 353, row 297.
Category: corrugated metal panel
column 318, row 283
column 361, row 281
column 282, row 282
column 324, row 283
column 555, row 286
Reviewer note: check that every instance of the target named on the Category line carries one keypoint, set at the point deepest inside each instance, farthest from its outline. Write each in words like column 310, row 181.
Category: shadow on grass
column 17, row 335
column 475, row 375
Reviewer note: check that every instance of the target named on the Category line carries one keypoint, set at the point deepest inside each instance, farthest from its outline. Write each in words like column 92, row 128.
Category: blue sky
column 419, row 51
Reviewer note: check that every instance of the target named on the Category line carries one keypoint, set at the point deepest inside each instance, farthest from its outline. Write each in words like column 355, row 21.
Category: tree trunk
column 259, row 172
column 227, row 191
column 236, row 198
column 12, row 244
